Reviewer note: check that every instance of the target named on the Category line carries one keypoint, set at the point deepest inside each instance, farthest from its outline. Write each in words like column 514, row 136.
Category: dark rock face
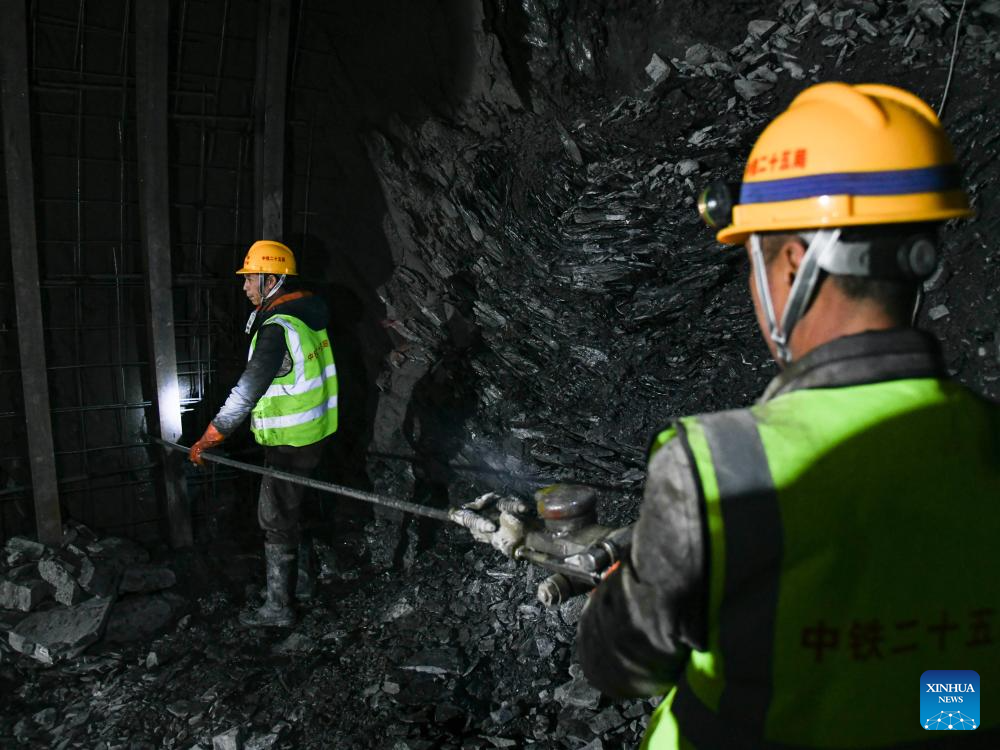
column 556, row 299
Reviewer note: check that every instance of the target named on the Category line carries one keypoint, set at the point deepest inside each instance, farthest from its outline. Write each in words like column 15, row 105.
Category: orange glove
column 210, row 439
column 607, row 573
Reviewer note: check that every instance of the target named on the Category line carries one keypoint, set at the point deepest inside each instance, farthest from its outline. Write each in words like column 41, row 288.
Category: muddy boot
column 277, row 610
column 305, row 583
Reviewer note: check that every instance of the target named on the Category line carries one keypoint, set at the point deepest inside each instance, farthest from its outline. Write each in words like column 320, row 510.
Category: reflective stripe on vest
column 752, row 523
column 290, row 420
column 300, row 407
column 825, row 510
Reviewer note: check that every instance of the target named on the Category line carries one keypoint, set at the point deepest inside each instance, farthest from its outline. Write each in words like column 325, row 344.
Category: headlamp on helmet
column 715, row 204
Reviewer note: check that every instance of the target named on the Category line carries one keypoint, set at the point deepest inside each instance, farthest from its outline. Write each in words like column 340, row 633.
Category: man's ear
column 792, row 252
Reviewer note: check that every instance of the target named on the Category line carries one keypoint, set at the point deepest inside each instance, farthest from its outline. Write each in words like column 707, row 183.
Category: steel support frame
column 152, row 38
column 270, row 95
column 24, row 261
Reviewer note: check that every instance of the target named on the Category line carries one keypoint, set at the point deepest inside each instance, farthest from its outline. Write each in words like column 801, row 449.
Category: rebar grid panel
column 20, row 180
column 83, row 87
column 82, row 75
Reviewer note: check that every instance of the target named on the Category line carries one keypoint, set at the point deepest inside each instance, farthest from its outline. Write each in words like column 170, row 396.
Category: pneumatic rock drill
column 560, row 534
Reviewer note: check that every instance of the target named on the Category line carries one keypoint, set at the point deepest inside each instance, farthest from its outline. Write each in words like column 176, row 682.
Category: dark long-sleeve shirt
column 270, row 359
column 640, row 625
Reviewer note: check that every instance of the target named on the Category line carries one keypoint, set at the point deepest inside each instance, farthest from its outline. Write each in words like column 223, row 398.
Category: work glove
column 210, row 439
column 504, row 532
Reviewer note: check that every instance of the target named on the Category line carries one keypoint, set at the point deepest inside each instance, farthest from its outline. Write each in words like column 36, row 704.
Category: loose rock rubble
column 55, row 603
column 414, row 660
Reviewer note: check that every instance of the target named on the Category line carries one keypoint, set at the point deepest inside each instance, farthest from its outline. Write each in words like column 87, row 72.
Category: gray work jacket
column 640, row 625
column 270, row 359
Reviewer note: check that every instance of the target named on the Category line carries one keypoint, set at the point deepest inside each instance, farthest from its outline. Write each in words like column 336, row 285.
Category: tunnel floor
column 452, row 652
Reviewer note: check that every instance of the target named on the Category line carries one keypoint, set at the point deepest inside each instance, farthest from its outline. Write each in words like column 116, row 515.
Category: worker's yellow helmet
column 844, row 155
column 269, row 256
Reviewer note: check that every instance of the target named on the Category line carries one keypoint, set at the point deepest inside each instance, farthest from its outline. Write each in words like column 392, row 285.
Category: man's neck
column 833, row 316
column 287, row 297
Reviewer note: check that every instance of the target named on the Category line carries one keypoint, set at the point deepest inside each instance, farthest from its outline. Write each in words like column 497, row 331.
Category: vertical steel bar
column 259, row 97
column 78, row 244
column 218, row 78
column 299, row 27
column 152, row 30
column 24, row 259
column 238, row 193
column 181, row 24
column 269, row 127
column 200, row 294
column 305, row 199
column 123, row 245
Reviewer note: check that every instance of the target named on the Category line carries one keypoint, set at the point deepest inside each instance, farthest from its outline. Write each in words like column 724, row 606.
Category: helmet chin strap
column 801, row 294
column 263, row 299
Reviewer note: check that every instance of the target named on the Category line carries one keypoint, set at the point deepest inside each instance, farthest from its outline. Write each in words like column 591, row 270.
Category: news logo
column 949, row 699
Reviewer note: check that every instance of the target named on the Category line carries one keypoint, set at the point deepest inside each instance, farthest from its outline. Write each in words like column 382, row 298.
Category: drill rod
column 336, row 489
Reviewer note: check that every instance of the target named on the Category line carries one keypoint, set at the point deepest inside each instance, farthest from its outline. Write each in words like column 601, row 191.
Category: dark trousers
column 279, row 509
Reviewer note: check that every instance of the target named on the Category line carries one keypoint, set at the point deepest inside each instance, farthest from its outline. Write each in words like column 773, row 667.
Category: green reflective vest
column 299, row 408
column 852, row 546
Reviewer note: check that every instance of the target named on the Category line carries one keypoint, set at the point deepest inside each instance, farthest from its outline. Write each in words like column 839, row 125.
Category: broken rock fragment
column 140, row 617
column 183, row 708
column 751, row 89
column 608, row 719
column 122, row 552
column 687, row 166
column 20, row 550
column 577, row 692
column 658, row 68
column 62, row 576
column 699, row 54
column 99, row 577
column 59, row 633
column 435, row 661
column 231, row 740
column 761, row 28
column 23, row 588
column 296, row 643
column 143, row 579
column 261, row 741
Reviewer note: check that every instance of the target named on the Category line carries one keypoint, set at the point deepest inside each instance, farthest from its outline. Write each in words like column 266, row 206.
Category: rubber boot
column 305, row 583
column 277, row 611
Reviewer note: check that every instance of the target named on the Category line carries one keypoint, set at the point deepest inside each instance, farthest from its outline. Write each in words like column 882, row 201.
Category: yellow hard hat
column 269, row 256
column 844, row 155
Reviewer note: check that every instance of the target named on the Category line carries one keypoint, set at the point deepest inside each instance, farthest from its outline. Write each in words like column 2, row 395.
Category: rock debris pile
column 467, row 660
column 55, row 603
